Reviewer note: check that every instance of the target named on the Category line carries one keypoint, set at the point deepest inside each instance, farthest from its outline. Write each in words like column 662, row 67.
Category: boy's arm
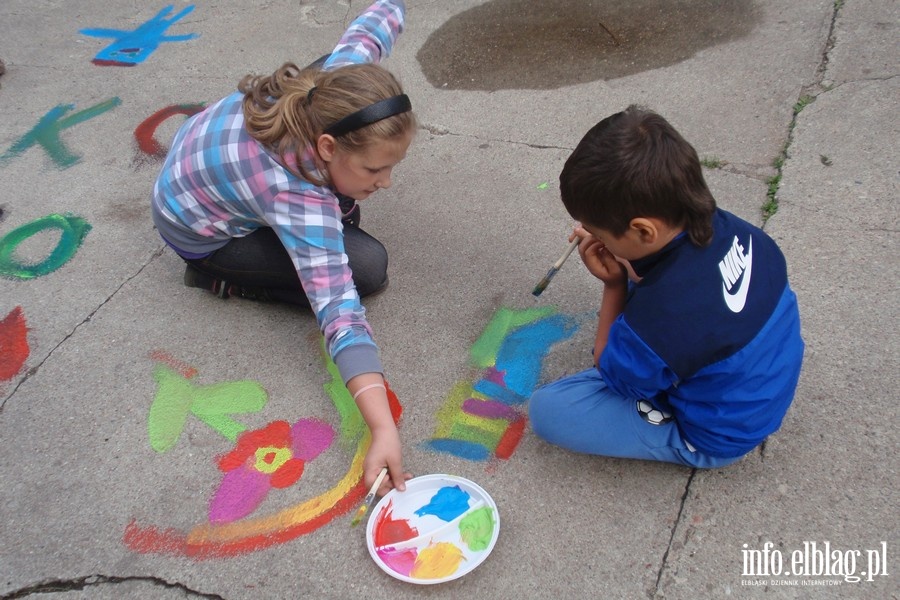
column 611, row 306
column 371, row 36
column 604, row 266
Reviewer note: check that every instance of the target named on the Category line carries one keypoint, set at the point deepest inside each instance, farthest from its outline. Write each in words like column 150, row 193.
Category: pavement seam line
column 33, row 370
column 665, row 558
column 78, row 584
column 830, row 42
column 808, row 95
column 440, row 131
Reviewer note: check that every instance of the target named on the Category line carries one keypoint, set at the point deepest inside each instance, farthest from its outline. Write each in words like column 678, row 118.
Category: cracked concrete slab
column 472, row 223
column 100, row 587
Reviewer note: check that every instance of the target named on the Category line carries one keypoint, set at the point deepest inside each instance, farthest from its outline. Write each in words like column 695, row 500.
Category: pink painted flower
column 271, row 457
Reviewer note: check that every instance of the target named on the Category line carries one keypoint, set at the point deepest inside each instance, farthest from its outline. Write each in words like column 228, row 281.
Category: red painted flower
column 271, row 457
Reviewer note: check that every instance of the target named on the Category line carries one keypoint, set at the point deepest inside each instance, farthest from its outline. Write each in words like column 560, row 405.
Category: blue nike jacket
column 711, row 335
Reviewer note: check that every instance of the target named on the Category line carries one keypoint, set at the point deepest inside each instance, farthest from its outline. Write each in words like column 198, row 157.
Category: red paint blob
column 179, row 366
column 14, row 348
column 102, row 62
column 389, row 531
column 145, row 131
column 511, row 438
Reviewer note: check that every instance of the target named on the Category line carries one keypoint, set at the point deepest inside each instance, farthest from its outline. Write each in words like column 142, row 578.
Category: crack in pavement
column 439, row 131
column 72, row 585
column 807, row 95
column 33, row 370
column 665, row 558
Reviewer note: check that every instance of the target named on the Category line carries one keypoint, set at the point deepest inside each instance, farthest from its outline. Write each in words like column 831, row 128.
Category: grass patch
column 712, row 162
column 802, row 103
column 771, row 205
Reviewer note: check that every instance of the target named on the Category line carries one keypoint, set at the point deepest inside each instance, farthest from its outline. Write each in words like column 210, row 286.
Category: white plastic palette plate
column 437, row 530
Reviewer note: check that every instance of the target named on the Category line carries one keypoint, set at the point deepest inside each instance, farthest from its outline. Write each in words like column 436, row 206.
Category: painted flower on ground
column 271, row 457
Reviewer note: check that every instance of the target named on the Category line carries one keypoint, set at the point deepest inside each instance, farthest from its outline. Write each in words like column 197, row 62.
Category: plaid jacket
column 218, row 183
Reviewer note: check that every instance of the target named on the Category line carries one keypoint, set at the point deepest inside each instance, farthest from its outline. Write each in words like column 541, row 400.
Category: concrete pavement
column 788, row 103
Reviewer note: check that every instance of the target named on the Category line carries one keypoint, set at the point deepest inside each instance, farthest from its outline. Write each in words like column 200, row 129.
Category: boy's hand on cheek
column 598, row 260
column 613, row 272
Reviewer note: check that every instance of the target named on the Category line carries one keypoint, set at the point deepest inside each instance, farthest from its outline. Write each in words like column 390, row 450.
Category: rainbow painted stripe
column 486, row 419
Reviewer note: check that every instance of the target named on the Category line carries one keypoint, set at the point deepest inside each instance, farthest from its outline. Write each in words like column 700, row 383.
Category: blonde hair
column 288, row 110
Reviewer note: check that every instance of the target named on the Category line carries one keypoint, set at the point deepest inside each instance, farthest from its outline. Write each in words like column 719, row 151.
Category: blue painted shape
column 132, row 47
column 522, row 353
column 459, row 448
column 497, row 392
column 448, row 503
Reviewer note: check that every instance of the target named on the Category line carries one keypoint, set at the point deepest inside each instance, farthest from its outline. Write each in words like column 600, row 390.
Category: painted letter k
column 46, row 132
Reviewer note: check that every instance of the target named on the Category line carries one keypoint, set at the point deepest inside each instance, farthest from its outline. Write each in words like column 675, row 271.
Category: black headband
column 370, row 114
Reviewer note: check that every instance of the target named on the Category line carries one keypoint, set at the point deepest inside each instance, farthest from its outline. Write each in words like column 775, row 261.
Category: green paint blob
column 72, row 232
column 477, row 528
column 353, row 426
column 484, row 351
column 177, row 397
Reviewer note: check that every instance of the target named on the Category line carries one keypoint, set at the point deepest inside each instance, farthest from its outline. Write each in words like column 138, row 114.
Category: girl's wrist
column 368, row 387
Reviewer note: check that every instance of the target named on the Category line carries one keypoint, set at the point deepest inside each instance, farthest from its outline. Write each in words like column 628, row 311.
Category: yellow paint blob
column 437, row 561
column 269, row 459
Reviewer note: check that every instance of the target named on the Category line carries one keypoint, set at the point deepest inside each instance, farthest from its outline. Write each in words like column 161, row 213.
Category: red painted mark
column 393, row 403
column 144, row 132
column 511, row 438
column 171, row 541
column 179, row 366
column 389, row 531
column 13, row 343
column 111, row 63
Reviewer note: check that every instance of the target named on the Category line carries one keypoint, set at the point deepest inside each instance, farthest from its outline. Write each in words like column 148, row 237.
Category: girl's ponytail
column 277, row 115
column 288, row 110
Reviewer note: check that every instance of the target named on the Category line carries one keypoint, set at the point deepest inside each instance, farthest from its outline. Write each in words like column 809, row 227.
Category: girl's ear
column 646, row 229
column 326, row 145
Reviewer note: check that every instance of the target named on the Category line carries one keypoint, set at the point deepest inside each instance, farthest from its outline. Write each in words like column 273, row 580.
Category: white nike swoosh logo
column 738, row 299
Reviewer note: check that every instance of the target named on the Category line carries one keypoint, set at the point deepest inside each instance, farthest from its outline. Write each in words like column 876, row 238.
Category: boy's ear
column 326, row 145
column 646, row 229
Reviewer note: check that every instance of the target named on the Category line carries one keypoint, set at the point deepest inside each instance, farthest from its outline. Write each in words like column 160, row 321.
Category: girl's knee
column 372, row 277
column 368, row 261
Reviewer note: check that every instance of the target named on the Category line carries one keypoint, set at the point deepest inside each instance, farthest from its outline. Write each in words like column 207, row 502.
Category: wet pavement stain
column 524, row 44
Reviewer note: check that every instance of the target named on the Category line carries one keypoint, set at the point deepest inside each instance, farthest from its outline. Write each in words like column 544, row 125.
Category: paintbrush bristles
column 360, row 513
column 543, row 283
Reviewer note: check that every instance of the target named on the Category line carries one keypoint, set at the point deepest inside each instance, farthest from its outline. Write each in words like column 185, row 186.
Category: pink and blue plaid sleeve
column 309, row 226
column 371, row 36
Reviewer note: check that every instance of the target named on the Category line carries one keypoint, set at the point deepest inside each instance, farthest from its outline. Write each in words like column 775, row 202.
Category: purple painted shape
column 490, row 409
column 493, row 375
column 310, row 437
column 240, row 493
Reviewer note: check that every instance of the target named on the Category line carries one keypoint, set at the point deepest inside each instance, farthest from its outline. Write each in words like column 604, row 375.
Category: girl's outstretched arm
column 368, row 390
column 371, row 36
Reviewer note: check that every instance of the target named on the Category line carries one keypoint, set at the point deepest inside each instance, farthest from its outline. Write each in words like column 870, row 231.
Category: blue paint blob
column 448, row 503
column 523, row 351
column 459, row 448
column 497, row 392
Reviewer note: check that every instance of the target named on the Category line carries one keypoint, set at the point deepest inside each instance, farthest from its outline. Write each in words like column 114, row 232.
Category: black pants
column 259, row 261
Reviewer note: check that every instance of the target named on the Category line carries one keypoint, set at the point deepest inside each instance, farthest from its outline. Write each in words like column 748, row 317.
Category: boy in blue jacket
column 697, row 357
